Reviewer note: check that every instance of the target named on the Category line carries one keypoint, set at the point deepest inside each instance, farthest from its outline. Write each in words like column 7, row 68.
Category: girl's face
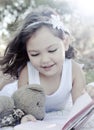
column 46, row 51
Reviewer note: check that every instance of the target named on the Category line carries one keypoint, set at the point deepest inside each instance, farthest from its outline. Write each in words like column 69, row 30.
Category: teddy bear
column 27, row 100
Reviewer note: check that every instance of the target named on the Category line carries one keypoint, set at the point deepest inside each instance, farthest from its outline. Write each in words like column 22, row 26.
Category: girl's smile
column 48, row 67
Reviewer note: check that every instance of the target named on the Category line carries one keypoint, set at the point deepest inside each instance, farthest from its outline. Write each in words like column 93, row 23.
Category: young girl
column 41, row 54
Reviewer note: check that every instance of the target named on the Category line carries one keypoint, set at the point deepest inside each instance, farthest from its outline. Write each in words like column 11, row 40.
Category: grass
column 90, row 76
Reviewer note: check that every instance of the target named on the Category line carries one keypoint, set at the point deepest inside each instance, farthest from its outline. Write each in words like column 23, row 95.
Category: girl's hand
column 28, row 118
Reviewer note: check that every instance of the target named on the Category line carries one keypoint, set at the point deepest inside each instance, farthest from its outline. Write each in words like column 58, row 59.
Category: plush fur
column 30, row 99
column 6, row 103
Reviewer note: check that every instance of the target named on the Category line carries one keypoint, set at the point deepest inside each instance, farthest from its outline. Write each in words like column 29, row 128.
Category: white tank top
column 57, row 100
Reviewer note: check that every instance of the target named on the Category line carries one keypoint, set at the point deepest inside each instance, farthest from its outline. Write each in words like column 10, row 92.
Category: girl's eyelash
column 34, row 54
column 52, row 50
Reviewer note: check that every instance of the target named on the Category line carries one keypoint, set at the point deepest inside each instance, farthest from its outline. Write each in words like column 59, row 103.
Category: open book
column 79, row 114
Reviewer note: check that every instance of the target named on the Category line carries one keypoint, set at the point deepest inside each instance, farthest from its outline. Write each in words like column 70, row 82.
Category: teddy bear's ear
column 35, row 87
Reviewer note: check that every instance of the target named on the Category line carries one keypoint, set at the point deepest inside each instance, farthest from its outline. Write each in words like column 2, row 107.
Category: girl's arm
column 78, row 81
column 23, row 77
column 27, row 118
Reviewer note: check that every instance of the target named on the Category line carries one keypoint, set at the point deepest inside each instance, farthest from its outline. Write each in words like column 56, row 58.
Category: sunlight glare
column 85, row 7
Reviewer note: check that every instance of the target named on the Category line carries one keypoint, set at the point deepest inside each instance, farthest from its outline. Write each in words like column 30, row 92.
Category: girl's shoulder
column 75, row 64
column 76, row 68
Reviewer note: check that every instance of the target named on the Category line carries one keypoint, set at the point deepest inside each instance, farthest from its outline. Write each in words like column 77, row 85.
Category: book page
column 79, row 104
column 38, row 126
column 81, row 111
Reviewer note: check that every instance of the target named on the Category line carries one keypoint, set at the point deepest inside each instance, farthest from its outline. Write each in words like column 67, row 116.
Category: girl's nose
column 45, row 59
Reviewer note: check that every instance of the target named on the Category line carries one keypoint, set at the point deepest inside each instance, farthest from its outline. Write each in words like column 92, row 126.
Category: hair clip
column 56, row 22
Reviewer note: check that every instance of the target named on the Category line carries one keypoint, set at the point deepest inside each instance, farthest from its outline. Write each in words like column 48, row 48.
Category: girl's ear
column 67, row 42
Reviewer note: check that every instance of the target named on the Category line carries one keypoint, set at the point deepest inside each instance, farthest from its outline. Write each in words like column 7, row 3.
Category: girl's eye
column 34, row 54
column 51, row 51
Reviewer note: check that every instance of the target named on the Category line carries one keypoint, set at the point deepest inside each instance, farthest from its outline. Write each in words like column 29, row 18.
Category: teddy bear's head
column 31, row 99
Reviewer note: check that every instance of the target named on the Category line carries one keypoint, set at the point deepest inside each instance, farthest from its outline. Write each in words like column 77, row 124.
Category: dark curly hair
column 15, row 57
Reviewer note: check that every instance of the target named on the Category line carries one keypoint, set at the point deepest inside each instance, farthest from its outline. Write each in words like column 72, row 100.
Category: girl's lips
column 48, row 67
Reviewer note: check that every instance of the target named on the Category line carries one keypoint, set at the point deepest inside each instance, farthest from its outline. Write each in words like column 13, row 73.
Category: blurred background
column 78, row 16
